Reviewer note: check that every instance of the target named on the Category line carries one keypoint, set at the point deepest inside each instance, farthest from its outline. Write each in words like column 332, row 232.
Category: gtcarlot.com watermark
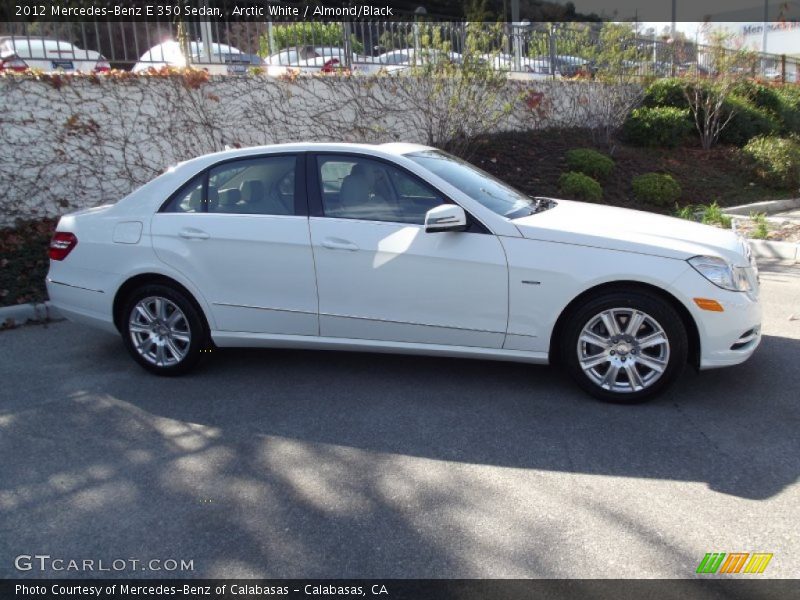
column 47, row 563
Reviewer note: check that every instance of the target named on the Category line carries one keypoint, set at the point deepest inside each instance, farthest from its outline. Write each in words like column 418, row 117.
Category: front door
column 381, row 277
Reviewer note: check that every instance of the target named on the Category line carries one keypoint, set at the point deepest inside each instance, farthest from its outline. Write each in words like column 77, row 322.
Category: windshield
column 495, row 195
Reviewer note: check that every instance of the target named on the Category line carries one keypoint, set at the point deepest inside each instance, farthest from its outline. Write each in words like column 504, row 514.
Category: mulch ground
column 24, row 261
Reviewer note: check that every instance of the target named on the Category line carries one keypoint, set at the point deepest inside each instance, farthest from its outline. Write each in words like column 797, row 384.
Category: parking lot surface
column 275, row 463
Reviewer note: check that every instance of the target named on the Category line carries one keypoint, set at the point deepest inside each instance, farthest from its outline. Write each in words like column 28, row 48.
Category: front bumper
column 729, row 337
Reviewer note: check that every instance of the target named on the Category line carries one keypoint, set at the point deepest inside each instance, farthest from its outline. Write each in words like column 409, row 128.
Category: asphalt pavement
column 275, row 463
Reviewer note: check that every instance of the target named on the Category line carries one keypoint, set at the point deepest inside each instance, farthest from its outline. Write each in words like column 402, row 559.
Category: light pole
column 518, row 30
column 418, row 12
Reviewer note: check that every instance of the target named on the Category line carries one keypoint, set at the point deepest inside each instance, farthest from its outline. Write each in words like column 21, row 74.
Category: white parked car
column 20, row 53
column 224, row 59
column 313, row 59
column 402, row 248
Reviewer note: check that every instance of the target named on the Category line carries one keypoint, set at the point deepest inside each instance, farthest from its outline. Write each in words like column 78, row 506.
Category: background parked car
column 224, row 59
column 310, row 59
column 22, row 53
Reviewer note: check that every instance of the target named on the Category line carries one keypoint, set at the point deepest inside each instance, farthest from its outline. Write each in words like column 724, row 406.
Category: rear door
column 239, row 232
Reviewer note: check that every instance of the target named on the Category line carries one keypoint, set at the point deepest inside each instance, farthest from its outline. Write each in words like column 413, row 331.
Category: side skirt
column 241, row 339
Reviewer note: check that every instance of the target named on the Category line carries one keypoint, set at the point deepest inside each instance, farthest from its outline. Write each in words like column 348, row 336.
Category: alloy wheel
column 160, row 331
column 623, row 350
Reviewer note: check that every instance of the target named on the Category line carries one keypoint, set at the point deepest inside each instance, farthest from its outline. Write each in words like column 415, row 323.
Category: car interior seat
column 229, row 200
column 355, row 191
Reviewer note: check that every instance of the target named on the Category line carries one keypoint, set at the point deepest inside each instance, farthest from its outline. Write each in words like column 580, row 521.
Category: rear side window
column 253, row 186
column 258, row 186
column 188, row 199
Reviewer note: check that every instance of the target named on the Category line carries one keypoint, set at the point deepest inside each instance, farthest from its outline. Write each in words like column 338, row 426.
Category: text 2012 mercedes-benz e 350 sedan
column 403, row 248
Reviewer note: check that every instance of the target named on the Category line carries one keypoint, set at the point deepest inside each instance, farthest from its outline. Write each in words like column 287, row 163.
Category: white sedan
column 20, row 53
column 402, row 248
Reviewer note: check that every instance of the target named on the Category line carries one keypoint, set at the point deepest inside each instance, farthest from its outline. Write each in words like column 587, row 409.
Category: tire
column 144, row 330
column 647, row 360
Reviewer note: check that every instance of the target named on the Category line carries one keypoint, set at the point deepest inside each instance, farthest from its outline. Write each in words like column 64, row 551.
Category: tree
column 616, row 57
column 707, row 95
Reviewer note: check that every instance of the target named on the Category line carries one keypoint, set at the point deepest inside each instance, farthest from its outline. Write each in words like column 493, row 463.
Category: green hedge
column 759, row 95
column 775, row 160
column 577, row 186
column 656, row 188
column 759, row 109
column 657, row 126
column 666, row 92
column 590, row 162
column 789, row 96
column 748, row 121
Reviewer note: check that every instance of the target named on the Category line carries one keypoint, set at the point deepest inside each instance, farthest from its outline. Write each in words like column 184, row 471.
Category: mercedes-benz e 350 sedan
column 402, row 248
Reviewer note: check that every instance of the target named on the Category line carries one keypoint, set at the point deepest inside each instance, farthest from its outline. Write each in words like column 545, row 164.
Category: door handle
column 339, row 245
column 190, row 233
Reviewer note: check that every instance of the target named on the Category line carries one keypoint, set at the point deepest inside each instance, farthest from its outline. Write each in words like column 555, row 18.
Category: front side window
column 355, row 187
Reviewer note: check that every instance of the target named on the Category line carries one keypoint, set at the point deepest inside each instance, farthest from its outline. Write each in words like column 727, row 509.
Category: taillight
column 12, row 63
column 62, row 244
column 102, row 66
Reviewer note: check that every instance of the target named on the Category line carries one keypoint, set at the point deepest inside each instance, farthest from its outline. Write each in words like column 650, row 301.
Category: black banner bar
column 752, row 11
column 402, row 589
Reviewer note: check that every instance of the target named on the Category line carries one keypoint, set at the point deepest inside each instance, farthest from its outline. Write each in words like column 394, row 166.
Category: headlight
column 721, row 273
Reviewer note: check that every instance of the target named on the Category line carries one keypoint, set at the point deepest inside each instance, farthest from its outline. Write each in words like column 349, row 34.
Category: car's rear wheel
column 625, row 347
column 163, row 330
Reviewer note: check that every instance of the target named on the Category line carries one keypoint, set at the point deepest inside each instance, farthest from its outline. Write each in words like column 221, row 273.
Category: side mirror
column 445, row 217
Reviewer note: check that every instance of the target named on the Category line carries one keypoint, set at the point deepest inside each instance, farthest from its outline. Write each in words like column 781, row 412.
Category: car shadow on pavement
column 281, row 463
column 734, row 429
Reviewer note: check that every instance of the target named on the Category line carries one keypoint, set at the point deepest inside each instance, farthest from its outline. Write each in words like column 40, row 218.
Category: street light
column 517, row 32
column 418, row 12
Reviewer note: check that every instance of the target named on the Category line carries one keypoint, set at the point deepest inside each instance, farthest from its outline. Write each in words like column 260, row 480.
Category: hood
column 627, row 230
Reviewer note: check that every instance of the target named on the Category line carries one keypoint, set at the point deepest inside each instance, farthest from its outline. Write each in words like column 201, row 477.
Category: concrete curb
column 13, row 316
column 779, row 250
column 768, row 207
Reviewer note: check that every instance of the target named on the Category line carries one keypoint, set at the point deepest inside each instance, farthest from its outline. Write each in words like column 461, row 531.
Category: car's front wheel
column 625, row 347
column 163, row 330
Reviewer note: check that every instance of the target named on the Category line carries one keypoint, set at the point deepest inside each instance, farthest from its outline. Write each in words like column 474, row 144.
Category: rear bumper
column 82, row 305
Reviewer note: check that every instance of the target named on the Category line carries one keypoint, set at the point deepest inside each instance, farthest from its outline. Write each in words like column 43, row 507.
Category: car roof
column 392, row 148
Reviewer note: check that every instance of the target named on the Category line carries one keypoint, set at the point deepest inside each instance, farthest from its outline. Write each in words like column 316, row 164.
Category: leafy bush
column 666, row 92
column 656, row 188
column 789, row 112
column 748, row 121
column 775, row 160
column 658, row 126
column 710, row 214
column 579, row 186
column 761, row 229
column 288, row 35
column 759, row 95
column 590, row 162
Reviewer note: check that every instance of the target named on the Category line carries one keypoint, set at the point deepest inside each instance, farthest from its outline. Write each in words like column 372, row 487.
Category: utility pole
column 515, row 33
column 205, row 36
column 764, row 33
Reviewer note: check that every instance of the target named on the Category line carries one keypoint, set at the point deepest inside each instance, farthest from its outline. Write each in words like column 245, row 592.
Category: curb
column 775, row 250
column 14, row 316
column 768, row 207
